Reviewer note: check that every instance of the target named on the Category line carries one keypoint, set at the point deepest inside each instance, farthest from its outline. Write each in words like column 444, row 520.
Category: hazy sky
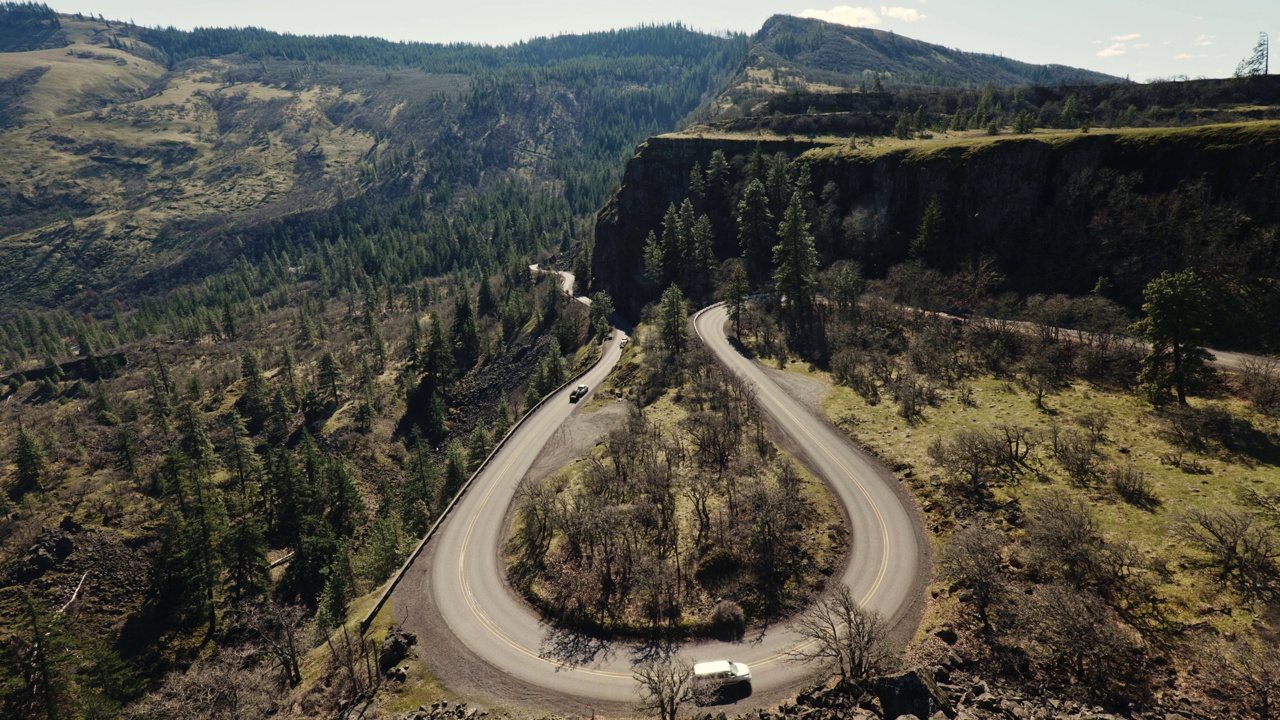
column 1141, row 39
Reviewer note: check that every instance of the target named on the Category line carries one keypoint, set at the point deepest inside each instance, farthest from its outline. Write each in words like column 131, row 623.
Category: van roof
column 713, row 668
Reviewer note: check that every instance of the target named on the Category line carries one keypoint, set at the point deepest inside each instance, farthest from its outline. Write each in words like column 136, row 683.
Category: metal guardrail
column 444, row 514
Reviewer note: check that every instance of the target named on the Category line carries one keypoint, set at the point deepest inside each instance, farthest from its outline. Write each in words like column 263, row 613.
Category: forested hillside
column 130, row 143
column 264, row 305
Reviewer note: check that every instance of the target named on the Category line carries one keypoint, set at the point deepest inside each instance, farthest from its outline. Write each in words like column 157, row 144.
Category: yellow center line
column 884, row 528
column 466, row 587
column 524, row 649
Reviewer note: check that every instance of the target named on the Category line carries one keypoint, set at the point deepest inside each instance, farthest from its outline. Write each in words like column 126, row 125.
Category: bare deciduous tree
column 1078, row 455
column 1017, row 444
column 1064, row 538
column 664, row 684
column 280, row 628
column 970, row 456
column 1073, row 639
column 228, row 685
column 845, row 637
column 973, row 559
column 353, row 665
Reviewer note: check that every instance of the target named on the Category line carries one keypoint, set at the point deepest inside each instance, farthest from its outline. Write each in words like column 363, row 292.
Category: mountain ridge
column 791, row 54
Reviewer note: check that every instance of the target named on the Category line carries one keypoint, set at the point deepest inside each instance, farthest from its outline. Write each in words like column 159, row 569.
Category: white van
column 721, row 673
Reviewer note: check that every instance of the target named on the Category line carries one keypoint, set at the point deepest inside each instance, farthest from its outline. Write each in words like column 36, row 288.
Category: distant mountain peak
column 807, row 55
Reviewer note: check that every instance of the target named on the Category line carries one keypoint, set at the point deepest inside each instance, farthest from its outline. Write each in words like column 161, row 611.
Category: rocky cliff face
column 1057, row 212
column 657, row 176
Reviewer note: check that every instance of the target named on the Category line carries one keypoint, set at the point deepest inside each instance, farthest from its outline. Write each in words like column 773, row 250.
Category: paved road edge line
column 444, row 514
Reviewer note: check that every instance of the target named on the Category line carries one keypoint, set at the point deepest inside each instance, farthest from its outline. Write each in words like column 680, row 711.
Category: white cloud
column 1142, row 46
column 1117, row 49
column 1190, row 56
column 902, row 13
column 1126, row 38
column 1205, row 40
column 862, row 16
column 845, row 15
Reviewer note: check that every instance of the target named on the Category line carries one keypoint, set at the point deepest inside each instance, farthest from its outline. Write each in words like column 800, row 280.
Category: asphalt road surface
column 485, row 642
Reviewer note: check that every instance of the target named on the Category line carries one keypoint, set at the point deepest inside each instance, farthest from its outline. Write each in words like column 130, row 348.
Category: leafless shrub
column 1259, row 381
column 1063, row 537
column 849, row 369
column 1240, row 548
column 1133, row 485
column 913, row 393
column 1016, row 445
column 227, row 685
column 280, row 628
column 1096, row 424
column 1242, row 676
column 1073, row 640
column 353, row 665
column 1078, row 456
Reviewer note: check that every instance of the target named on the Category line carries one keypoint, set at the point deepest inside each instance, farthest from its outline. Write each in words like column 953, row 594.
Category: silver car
column 721, row 673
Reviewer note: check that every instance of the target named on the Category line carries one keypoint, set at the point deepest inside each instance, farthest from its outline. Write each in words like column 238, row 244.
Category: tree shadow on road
column 743, row 350
column 656, row 649
column 570, row 649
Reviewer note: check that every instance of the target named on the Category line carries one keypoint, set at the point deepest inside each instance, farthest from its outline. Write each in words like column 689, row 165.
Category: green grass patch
column 1135, row 436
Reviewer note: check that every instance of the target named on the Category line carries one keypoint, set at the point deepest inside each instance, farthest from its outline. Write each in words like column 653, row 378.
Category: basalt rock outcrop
column 1056, row 213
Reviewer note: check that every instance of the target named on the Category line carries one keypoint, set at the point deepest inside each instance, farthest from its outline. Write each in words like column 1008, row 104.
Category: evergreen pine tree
column 673, row 321
column 755, row 229
column 239, row 455
column 230, row 324
column 734, row 290
column 477, row 447
column 128, row 458
column 455, row 469
column 331, row 376
column 341, row 498
column 697, row 182
column 439, row 361
column 486, row 302
column 31, row 462
column 928, row 244
column 464, row 333
column 796, row 262
column 254, row 401
column 423, row 480
column 718, row 172
column 244, row 549
column 288, row 377
column 1177, row 308
column 654, row 262
column 672, row 241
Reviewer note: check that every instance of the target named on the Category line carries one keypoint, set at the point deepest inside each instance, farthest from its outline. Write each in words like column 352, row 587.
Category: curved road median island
column 482, row 639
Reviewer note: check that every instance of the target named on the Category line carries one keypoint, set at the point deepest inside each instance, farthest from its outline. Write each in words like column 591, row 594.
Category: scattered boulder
column 912, row 693
column 395, row 648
